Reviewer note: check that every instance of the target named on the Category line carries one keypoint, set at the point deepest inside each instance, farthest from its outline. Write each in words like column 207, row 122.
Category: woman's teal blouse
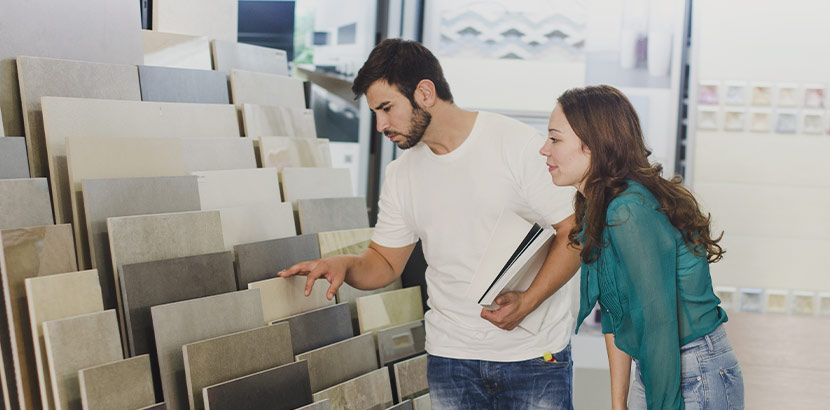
column 656, row 294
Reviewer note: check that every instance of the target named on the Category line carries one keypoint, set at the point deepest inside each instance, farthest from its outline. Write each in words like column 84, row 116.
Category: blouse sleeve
column 644, row 242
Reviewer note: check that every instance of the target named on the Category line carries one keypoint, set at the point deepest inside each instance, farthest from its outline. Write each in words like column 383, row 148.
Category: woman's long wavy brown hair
column 606, row 122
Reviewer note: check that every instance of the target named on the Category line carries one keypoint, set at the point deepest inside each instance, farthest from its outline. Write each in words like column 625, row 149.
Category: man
column 461, row 168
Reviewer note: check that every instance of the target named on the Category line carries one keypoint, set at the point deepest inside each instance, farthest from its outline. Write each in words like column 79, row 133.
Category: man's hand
column 513, row 307
column 332, row 269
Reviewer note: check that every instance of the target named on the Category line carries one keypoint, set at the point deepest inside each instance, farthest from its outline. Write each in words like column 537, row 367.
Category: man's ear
column 425, row 93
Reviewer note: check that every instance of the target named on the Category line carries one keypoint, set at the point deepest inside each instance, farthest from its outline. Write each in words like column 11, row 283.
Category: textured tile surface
column 332, row 214
column 406, row 405
column 13, row 157
column 388, row 309
column 56, row 297
column 283, row 297
column 78, row 343
column 225, row 358
column 157, row 406
column 282, row 152
column 368, row 392
column 176, row 50
column 269, row 120
column 256, row 222
column 214, row 19
column 180, row 323
column 318, row 328
column 230, row 54
column 262, row 260
column 209, row 154
column 248, row 87
column 122, row 385
column 355, row 356
column 28, row 253
column 40, row 77
column 113, row 197
column 148, row 284
column 401, row 341
column 422, row 403
column 24, row 203
column 411, row 377
column 166, row 84
column 228, row 188
column 310, row 183
column 320, row 405
column 281, row 388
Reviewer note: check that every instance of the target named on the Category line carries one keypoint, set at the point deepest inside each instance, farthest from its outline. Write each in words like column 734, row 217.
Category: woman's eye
column 553, row 139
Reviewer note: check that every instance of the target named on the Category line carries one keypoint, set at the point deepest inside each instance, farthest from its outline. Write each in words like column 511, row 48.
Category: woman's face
column 568, row 158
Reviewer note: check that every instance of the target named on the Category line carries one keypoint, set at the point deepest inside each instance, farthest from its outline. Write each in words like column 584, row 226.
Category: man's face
column 402, row 123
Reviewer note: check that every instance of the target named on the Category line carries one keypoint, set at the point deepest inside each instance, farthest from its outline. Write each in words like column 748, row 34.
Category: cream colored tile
column 213, row 19
column 266, row 89
column 269, row 120
column 176, row 50
column 229, row 188
column 256, row 222
column 284, row 297
column 311, row 183
column 230, row 54
column 387, row 309
column 282, row 152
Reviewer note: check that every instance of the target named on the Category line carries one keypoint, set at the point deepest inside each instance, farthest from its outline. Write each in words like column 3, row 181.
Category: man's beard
column 417, row 127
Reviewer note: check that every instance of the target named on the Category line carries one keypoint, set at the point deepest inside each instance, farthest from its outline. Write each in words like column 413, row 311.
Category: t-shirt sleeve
column 552, row 203
column 391, row 229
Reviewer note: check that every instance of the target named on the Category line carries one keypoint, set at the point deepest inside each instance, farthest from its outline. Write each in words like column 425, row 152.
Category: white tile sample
column 230, row 54
column 212, row 154
column 284, row 297
column 14, row 161
column 310, row 183
column 213, row 19
column 269, row 120
column 294, row 152
column 332, row 214
column 121, row 385
column 176, row 50
column 366, row 392
column 387, row 309
column 167, row 84
column 24, row 202
column 256, row 222
column 229, row 188
column 248, row 87
column 356, row 356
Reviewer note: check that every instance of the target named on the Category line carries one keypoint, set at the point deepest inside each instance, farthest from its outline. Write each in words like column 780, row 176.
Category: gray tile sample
column 319, row 328
column 217, row 154
column 225, row 358
column 422, row 403
column 406, row 405
column 320, row 405
column 355, row 356
column 399, row 342
column 180, row 323
column 13, row 158
column 230, row 54
column 281, row 388
column 370, row 391
column 24, row 202
column 262, row 260
column 332, row 214
column 113, row 197
column 166, row 84
column 411, row 377
column 122, row 385
column 148, row 284
column 78, row 343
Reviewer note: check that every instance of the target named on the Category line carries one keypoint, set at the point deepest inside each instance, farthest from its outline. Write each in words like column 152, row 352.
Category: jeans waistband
column 708, row 341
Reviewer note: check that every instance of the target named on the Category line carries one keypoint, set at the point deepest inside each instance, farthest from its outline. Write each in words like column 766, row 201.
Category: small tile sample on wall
column 269, row 120
column 761, row 94
column 760, row 120
column 786, row 121
column 734, row 120
column 122, row 385
column 229, row 188
column 294, row 152
column 280, row 388
column 708, row 93
column 402, row 341
column 254, row 222
column 180, row 323
column 230, row 54
column 708, row 118
column 815, row 95
column 752, row 300
column 371, row 390
column 777, row 301
column 176, row 50
column 25, row 202
column 812, row 122
column 75, row 344
column 13, row 158
column 788, row 95
column 728, row 296
column 28, row 253
column 736, row 93
column 824, row 304
column 248, row 87
column 803, row 303
column 218, row 154
column 184, row 85
column 213, row 19
column 332, row 214
column 284, row 297
column 318, row 328
column 411, row 377
column 312, row 183
column 262, row 260
column 355, row 356
column 387, row 309
column 225, row 358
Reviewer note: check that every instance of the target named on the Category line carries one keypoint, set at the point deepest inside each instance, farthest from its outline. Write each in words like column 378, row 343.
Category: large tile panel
column 311, row 183
column 332, row 214
column 176, row 50
column 230, row 54
column 284, row 152
column 262, row 260
column 214, row 19
column 166, row 84
column 367, row 392
column 269, row 120
column 318, row 328
column 283, row 297
column 356, row 356
column 281, row 388
column 248, row 87
column 122, row 385
column 24, row 203
column 212, row 154
column 13, row 159
column 388, row 309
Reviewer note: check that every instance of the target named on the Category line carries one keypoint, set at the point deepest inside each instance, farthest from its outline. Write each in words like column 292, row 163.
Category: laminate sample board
column 41, row 77
column 262, row 260
column 422, row 403
column 230, row 54
column 78, row 343
column 281, row 388
column 176, row 50
column 355, row 356
column 402, row 341
column 229, row 188
column 122, row 385
column 332, row 214
column 166, row 84
column 28, row 253
column 213, row 19
column 148, row 284
column 211, row 154
column 318, row 328
column 180, row 323
column 311, row 183
column 406, row 405
column 283, row 152
column 284, row 297
column 65, row 30
column 248, row 87
column 388, row 309
column 411, row 377
column 114, row 197
column 56, row 297
column 225, row 358
column 13, row 158
column 24, row 202
column 270, row 120
column 256, row 222
column 366, row 392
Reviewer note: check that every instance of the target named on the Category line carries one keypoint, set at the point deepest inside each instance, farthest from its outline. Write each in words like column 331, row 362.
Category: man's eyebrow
column 381, row 105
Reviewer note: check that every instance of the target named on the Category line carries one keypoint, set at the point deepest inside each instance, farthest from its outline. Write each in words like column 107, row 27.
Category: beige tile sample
column 230, row 54
column 284, row 297
column 213, row 19
column 269, row 120
column 176, row 50
column 354, row 357
column 422, row 403
column 311, row 183
column 225, row 358
column 121, row 385
column 2, row 130
column 56, row 297
column 411, row 377
column 387, row 309
column 40, row 77
column 367, row 392
column 211, row 154
column 24, row 202
column 256, row 222
column 78, row 343
column 332, row 214
column 229, row 188
column 248, row 87
column 28, row 253
column 294, row 152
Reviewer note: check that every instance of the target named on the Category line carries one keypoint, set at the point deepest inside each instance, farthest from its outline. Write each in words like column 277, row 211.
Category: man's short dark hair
column 402, row 64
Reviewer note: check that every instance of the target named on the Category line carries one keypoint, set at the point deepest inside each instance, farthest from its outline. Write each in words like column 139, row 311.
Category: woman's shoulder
column 634, row 198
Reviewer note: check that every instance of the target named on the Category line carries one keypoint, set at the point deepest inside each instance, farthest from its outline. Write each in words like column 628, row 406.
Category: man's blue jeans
column 456, row 384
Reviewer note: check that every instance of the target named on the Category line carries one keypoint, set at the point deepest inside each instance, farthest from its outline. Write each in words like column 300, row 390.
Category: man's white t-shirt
column 452, row 202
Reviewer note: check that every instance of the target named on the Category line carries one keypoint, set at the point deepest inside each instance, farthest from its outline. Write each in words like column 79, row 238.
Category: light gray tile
column 312, row 183
column 214, row 19
column 176, row 50
column 225, row 358
column 422, row 403
column 283, row 152
column 356, row 356
column 269, row 120
column 157, row 406
column 213, row 154
column 230, row 54
column 406, row 405
column 332, row 214
column 283, row 297
column 401, row 341
column 281, row 388
column 388, row 309
column 254, row 222
column 122, row 385
column 411, row 377
column 24, row 203
column 248, row 87
column 166, row 84
column 367, row 392
column 180, row 323
column 262, row 260
column 229, row 188
column 13, row 158
column 319, row 328
column 320, row 405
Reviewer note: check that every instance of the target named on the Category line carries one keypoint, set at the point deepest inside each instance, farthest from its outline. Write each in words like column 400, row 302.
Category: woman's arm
column 620, row 364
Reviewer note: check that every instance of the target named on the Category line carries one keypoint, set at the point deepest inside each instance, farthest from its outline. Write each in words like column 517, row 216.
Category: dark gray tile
column 165, row 84
column 24, row 203
column 281, row 388
column 332, row 214
column 399, row 342
column 411, row 377
column 407, row 405
column 354, row 357
column 320, row 327
column 262, row 260
column 14, row 162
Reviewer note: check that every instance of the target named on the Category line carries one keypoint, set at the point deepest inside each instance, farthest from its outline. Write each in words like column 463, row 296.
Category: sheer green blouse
column 655, row 293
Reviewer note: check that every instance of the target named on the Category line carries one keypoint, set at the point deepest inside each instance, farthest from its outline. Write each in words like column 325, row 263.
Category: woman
column 645, row 249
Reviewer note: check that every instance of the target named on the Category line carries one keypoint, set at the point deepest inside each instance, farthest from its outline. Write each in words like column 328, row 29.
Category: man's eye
column 386, row 109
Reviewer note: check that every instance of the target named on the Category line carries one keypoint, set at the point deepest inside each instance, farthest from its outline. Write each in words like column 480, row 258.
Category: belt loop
column 709, row 343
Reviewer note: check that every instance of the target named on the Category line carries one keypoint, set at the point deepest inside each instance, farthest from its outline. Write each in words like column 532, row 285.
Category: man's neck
column 449, row 128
